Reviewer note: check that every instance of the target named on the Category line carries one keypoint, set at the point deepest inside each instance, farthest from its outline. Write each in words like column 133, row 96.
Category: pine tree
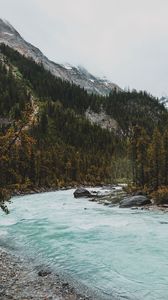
column 142, row 147
column 165, row 158
column 155, row 153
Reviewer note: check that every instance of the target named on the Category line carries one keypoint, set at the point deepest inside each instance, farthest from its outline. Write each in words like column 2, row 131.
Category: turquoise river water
column 122, row 253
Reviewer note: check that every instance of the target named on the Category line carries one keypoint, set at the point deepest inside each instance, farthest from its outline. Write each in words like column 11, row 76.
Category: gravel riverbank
column 19, row 280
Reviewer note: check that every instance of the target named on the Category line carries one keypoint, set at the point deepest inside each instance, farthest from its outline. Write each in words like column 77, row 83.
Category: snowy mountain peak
column 78, row 75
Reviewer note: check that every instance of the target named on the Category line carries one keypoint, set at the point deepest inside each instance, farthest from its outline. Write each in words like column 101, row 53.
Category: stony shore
column 20, row 280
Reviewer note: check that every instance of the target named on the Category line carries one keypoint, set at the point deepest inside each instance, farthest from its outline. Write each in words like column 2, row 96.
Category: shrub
column 4, row 195
column 161, row 195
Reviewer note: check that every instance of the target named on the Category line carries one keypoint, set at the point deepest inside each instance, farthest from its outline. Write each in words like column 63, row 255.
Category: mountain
column 77, row 75
column 55, row 134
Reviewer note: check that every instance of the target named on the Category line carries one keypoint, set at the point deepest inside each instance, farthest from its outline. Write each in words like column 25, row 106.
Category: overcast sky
column 124, row 40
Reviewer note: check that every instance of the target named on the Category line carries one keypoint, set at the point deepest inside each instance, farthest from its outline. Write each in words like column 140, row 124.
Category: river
column 121, row 253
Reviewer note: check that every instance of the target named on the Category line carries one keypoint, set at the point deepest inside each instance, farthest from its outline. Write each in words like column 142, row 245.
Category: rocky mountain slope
column 77, row 75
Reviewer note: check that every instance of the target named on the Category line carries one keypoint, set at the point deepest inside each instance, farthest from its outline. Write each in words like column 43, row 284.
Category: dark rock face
column 134, row 201
column 81, row 192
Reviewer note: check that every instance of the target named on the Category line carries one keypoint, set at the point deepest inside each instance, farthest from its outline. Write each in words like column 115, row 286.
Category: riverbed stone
column 44, row 273
column 81, row 192
column 134, row 201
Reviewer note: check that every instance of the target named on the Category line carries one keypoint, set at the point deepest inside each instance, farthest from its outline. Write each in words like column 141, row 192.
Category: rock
column 134, row 201
column 93, row 192
column 140, row 193
column 93, row 199
column 44, row 273
column 165, row 223
column 65, row 284
column 81, row 192
column 106, row 202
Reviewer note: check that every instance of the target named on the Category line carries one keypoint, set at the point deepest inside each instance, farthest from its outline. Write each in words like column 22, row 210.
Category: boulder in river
column 134, row 201
column 81, row 192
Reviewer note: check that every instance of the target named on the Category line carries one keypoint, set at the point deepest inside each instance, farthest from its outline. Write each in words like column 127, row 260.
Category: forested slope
column 58, row 146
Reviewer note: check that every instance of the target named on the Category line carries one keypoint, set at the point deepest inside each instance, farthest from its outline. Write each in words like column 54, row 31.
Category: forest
column 47, row 142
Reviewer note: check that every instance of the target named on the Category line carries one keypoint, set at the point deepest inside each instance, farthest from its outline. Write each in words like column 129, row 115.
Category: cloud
column 125, row 40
